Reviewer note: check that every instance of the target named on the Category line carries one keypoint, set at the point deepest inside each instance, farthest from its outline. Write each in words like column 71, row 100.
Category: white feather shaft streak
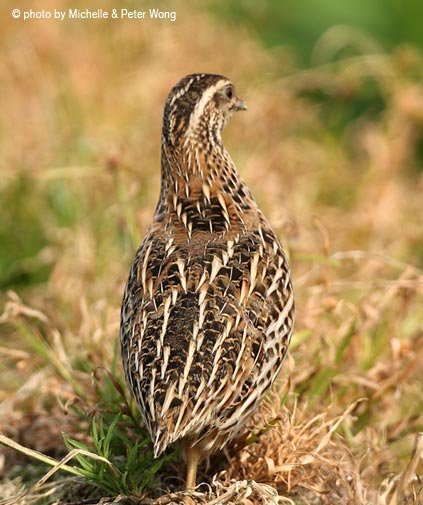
column 165, row 317
column 202, row 307
column 144, row 264
column 223, row 336
column 174, row 295
column 224, row 207
column 169, row 244
column 206, row 191
column 230, row 245
column 275, row 325
column 253, row 272
column 166, row 354
column 151, row 395
column 202, row 280
column 216, row 266
column 181, row 268
column 241, row 356
column 275, row 283
column 179, row 210
column 170, row 395
column 188, row 365
column 199, row 108
column 150, row 288
column 244, row 291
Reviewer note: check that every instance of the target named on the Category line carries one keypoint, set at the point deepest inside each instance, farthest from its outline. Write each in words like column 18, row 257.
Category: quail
column 208, row 308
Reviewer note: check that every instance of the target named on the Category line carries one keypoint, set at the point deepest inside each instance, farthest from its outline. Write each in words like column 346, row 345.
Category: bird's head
column 198, row 107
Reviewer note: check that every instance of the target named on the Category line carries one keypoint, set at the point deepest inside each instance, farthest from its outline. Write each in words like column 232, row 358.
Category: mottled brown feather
column 208, row 309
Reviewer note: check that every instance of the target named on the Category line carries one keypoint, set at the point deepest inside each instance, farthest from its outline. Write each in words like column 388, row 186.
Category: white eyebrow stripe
column 199, row 108
column 183, row 90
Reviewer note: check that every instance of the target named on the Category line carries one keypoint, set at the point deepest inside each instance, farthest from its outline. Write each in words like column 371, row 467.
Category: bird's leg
column 193, row 456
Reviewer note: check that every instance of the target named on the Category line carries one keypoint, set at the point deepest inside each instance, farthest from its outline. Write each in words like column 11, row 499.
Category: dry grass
column 81, row 110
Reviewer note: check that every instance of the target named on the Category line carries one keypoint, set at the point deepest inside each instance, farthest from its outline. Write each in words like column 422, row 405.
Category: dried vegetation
column 340, row 179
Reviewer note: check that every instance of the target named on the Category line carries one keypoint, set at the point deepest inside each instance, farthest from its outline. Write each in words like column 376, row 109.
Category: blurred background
column 331, row 146
column 78, row 93
column 299, row 26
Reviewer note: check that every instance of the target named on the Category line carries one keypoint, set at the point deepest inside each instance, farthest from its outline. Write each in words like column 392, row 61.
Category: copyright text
column 87, row 14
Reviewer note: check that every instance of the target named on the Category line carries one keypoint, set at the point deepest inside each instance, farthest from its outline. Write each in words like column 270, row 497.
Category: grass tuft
column 115, row 462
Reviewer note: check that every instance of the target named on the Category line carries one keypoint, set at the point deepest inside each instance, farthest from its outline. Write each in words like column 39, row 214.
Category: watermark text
column 94, row 14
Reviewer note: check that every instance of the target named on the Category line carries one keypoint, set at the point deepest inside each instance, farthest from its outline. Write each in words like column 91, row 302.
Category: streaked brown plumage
column 208, row 308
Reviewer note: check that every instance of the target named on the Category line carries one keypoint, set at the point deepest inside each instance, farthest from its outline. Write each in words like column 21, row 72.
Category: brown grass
column 81, row 109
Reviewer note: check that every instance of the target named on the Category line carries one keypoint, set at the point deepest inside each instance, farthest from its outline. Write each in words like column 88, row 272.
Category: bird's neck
column 200, row 184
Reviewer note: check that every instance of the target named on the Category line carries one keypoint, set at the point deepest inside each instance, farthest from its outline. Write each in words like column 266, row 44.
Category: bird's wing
column 208, row 332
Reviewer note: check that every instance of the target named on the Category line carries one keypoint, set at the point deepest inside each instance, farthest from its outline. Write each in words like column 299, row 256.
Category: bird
column 208, row 308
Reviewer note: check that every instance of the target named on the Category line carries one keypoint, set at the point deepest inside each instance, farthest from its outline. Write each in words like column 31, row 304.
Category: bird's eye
column 229, row 92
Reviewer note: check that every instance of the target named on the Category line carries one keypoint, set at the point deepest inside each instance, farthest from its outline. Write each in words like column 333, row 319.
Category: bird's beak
column 239, row 105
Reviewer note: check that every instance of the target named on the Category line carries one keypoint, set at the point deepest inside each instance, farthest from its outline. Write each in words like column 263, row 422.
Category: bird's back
column 205, row 327
column 208, row 307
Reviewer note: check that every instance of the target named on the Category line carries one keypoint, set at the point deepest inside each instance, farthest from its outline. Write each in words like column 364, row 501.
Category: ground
column 333, row 155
